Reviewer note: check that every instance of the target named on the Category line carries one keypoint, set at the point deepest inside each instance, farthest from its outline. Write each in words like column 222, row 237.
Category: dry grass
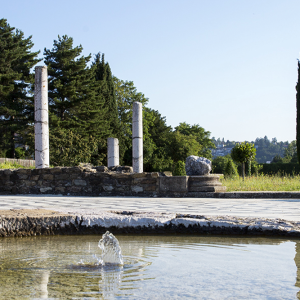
column 263, row 183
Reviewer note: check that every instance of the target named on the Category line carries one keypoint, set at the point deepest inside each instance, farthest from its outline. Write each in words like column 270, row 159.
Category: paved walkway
column 288, row 209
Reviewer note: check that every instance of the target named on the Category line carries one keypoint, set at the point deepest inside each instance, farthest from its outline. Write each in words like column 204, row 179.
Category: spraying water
column 111, row 250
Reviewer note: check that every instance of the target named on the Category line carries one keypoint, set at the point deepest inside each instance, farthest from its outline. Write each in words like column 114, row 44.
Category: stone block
column 154, row 174
column 56, row 170
column 72, row 170
column 101, row 169
column 139, row 175
column 60, row 189
column 122, row 188
column 47, row 176
column 74, row 189
column 29, row 183
column 45, row 189
column 34, row 177
column 214, row 189
column 121, row 175
column 173, row 184
column 100, row 175
column 23, row 176
column 7, row 172
column 195, row 165
column 149, row 188
column 61, row 176
column 145, row 181
column 79, row 182
column 40, row 171
column 108, row 188
column 74, row 176
column 23, row 171
column 205, row 183
column 136, row 189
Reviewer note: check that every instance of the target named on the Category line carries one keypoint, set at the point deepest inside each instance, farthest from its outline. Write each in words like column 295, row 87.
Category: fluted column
column 41, row 127
column 137, row 137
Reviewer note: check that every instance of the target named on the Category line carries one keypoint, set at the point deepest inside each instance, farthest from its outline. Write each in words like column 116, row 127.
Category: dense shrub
column 179, row 169
column 281, row 168
column 231, row 169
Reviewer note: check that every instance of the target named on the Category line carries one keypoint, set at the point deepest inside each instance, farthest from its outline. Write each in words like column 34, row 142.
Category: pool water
column 155, row 267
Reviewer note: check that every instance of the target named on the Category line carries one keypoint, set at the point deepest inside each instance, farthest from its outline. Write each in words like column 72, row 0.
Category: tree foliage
column 298, row 113
column 242, row 153
column 16, row 105
column 76, row 104
column 201, row 136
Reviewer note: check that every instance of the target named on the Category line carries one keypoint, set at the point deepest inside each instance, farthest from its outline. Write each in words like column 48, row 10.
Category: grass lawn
column 8, row 165
column 263, row 183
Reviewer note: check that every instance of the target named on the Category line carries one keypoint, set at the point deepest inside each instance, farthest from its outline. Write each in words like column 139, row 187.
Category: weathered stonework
column 47, row 222
column 98, row 181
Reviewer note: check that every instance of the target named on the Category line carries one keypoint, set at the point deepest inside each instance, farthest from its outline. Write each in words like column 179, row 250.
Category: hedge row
column 282, row 168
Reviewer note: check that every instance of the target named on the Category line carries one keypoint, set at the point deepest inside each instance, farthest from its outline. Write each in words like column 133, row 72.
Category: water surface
column 155, row 267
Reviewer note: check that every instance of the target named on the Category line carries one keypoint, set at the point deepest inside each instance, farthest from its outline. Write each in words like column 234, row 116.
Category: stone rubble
column 195, row 165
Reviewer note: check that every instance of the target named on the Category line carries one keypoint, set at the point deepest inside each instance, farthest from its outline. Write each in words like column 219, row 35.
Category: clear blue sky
column 229, row 66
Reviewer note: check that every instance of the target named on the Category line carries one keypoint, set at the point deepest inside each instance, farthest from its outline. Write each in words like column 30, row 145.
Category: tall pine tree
column 106, row 90
column 77, row 109
column 16, row 107
column 298, row 113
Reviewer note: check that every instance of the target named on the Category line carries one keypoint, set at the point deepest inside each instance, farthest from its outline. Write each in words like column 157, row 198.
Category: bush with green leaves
column 179, row 169
column 243, row 153
column 224, row 165
column 231, row 169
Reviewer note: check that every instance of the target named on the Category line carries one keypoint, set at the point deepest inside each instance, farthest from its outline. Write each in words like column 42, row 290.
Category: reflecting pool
column 155, row 267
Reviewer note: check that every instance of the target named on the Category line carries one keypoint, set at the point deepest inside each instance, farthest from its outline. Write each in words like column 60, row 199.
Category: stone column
column 41, row 127
column 137, row 137
column 112, row 152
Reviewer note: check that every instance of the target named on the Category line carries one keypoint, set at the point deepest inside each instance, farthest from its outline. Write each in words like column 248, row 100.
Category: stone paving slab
column 287, row 209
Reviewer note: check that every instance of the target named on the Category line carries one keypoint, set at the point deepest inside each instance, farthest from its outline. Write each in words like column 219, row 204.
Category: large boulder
column 195, row 165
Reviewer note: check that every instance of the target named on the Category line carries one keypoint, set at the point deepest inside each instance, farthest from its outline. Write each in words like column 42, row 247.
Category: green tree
column 298, row 113
column 159, row 137
column 290, row 152
column 75, row 102
column 126, row 93
column 181, row 146
column 230, row 169
column 106, row 90
column 71, row 148
column 200, row 135
column 224, row 165
column 16, row 106
column 242, row 153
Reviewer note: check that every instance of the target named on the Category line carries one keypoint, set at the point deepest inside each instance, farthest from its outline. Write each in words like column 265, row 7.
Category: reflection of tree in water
column 297, row 262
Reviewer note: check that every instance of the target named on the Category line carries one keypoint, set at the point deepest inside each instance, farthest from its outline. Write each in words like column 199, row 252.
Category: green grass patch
column 263, row 182
column 8, row 165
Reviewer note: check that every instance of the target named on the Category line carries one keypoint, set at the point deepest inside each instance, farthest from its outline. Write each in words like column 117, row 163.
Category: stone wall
column 99, row 181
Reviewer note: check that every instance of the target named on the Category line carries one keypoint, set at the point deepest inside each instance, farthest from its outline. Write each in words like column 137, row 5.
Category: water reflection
column 166, row 266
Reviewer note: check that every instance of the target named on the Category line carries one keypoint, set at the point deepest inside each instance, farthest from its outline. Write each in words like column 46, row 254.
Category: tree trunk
column 243, row 170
